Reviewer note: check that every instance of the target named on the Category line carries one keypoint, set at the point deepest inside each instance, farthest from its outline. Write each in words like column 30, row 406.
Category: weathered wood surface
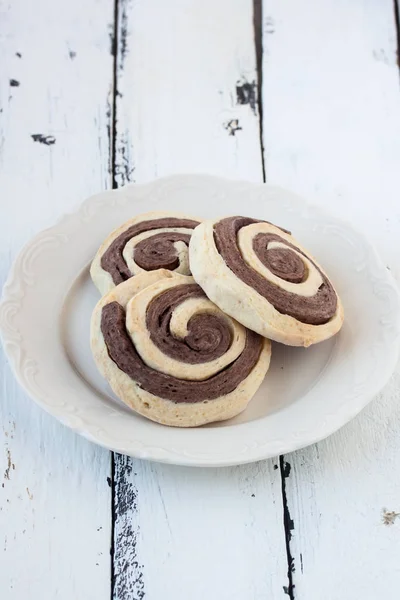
column 99, row 93
column 55, row 79
column 186, row 101
column 331, row 100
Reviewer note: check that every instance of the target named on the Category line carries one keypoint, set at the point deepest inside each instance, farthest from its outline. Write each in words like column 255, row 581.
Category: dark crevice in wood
column 284, row 466
column 121, row 166
column 288, row 525
column 113, row 513
column 397, row 26
column 113, row 143
column 127, row 579
column 113, row 132
column 257, row 26
column 128, row 570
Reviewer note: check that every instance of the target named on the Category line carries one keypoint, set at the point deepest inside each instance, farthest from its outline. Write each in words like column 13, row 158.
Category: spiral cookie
column 155, row 240
column 170, row 354
column 259, row 275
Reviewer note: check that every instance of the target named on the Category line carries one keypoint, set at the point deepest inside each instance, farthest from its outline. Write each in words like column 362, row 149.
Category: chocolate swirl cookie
column 170, row 354
column 259, row 275
column 148, row 242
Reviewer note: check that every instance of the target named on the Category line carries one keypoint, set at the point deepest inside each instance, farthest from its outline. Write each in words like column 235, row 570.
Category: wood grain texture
column 187, row 93
column 186, row 101
column 199, row 533
column 172, row 87
column 332, row 132
column 54, row 84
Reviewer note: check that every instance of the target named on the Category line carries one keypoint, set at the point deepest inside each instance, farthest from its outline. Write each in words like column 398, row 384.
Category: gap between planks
column 112, row 133
column 397, row 27
column 258, row 42
column 284, row 467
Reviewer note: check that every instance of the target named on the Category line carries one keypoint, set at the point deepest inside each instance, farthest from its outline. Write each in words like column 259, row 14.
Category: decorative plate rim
column 20, row 279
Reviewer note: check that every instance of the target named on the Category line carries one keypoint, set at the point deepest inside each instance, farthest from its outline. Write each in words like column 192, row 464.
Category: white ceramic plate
column 307, row 394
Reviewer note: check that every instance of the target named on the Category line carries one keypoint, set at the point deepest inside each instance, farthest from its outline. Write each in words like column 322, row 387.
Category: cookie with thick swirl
column 258, row 274
column 156, row 240
column 171, row 355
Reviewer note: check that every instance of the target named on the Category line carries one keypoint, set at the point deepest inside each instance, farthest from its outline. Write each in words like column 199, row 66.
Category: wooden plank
column 54, row 85
column 195, row 109
column 187, row 102
column 332, row 132
column 198, row 533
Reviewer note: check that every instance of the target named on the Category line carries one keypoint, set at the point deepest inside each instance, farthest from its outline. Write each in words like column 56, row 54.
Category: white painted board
column 331, row 128
column 186, row 101
column 55, row 78
column 185, row 70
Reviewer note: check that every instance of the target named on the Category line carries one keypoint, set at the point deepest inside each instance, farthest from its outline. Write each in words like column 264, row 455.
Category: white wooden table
column 96, row 93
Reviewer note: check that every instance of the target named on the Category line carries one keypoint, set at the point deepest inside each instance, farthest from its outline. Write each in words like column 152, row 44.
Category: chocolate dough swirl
column 314, row 310
column 209, row 335
column 202, row 344
column 152, row 253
